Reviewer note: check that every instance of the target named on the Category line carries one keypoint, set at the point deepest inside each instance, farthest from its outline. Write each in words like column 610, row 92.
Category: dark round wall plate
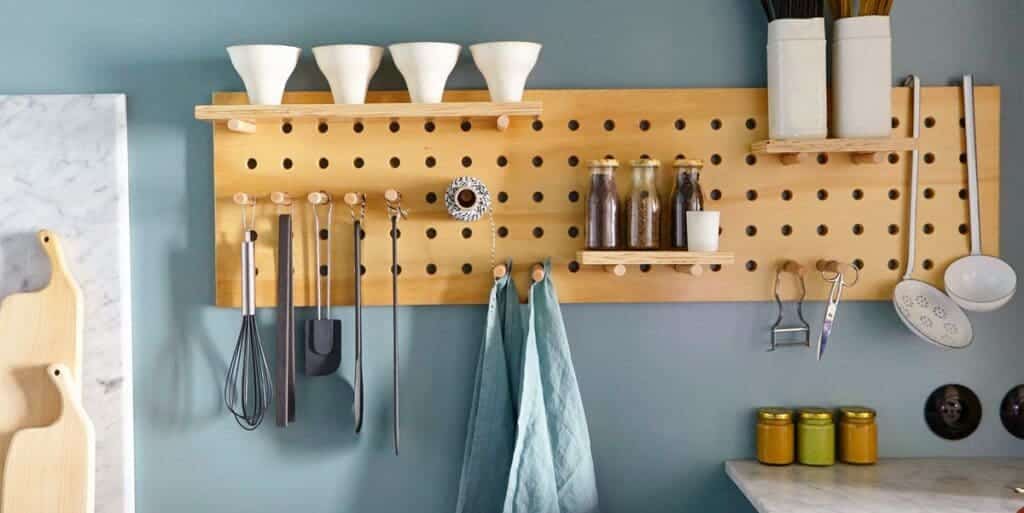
column 1011, row 411
column 952, row 412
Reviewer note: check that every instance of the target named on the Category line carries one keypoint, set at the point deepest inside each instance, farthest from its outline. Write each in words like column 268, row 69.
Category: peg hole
column 751, row 195
column 431, row 197
column 894, row 229
column 929, row 122
column 466, row 125
column 858, row 263
column 430, row 161
column 502, row 231
column 574, row 232
column 286, row 127
column 715, row 267
column 680, row 124
column 929, row 193
column 574, row 196
column 822, row 230
column 928, row 228
column 467, row 233
column 287, row 163
column 787, row 195
column 645, row 125
column 751, row 231
column 963, row 229
column 574, row 125
column 787, row 230
column 251, row 163
column 751, row 124
column 431, row 233
column 538, row 197
column 322, row 127
column 895, row 122
column 323, row 163
column 467, row 268
column 894, row 194
column 358, row 162
column 894, row 158
column 394, row 162
column 716, row 124
column 823, row 158
column 609, row 125
column 716, row 194
column 538, row 232
column 431, row 269
column 751, row 265
column 502, row 161
column 394, row 127
column 574, row 267
column 645, row 268
column 857, row 194
column 574, row 161
column 716, row 159
column 537, row 161
column 822, row 194
column 751, row 159
column 537, row 125
column 502, row 197
column 929, row 158
column 858, row 229
column 429, row 127
column 358, row 127
column 467, row 161
column 927, row 264
column 962, row 194
column 893, row 264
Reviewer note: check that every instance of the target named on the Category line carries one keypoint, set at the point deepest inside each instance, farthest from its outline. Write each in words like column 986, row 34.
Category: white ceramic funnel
column 505, row 65
column 264, row 70
column 348, row 68
column 425, row 68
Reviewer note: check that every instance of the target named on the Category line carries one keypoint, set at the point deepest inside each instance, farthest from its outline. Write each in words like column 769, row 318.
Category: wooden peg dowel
column 867, row 158
column 502, row 122
column 827, row 266
column 319, row 198
column 499, row 271
column 392, row 195
column 243, row 198
column 695, row 270
column 537, row 272
column 616, row 270
column 791, row 159
column 240, row 126
column 351, row 199
column 794, row 267
column 281, row 198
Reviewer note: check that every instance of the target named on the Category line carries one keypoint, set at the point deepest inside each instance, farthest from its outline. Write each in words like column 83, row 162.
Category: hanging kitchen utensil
column 357, row 207
column 924, row 309
column 285, row 375
column 832, row 272
column 799, row 333
column 953, row 412
column 248, row 387
column 977, row 282
column 52, row 468
column 393, row 200
column 323, row 334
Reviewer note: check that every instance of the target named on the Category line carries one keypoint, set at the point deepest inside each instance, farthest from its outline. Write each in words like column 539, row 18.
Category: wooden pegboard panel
column 835, row 209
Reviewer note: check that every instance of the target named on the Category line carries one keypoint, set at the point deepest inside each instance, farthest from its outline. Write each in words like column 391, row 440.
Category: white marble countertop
column 982, row 485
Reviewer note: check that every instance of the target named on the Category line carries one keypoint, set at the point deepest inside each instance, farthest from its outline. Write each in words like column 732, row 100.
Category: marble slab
column 64, row 166
column 966, row 485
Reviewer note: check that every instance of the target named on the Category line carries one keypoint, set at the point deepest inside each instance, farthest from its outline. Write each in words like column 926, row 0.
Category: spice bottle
column 816, row 437
column 687, row 197
column 602, row 206
column 644, row 206
column 775, row 436
column 858, row 436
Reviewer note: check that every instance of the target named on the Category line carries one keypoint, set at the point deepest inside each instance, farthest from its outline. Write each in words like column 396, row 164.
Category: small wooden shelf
column 243, row 118
column 864, row 151
column 690, row 262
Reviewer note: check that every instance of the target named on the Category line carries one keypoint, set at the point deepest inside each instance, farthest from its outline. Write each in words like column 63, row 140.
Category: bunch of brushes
column 793, row 9
column 845, row 8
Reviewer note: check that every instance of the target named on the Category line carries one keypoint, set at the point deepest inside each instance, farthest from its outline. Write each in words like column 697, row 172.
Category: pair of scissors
column 831, row 271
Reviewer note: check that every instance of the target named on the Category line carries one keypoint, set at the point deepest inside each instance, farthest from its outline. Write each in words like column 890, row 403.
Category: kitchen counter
column 984, row 485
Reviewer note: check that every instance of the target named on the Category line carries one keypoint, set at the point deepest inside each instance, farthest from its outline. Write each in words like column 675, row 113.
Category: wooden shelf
column 243, row 118
column 865, row 151
column 615, row 262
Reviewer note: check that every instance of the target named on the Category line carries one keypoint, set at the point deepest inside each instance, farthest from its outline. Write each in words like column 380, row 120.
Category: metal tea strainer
column 927, row 311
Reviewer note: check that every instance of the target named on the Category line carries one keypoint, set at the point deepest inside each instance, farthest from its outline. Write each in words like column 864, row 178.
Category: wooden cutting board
column 51, row 469
column 36, row 330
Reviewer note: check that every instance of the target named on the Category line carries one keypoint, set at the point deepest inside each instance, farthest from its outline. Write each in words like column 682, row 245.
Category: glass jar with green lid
column 816, row 437
column 858, row 436
column 775, row 436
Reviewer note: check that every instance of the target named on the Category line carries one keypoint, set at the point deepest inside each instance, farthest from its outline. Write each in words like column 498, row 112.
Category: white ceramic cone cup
column 265, row 70
column 348, row 68
column 506, row 65
column 425, row 68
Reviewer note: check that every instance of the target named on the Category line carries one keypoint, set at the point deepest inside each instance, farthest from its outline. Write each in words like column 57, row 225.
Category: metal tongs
column 357, row 208
column 802, row 330
column 832, row 272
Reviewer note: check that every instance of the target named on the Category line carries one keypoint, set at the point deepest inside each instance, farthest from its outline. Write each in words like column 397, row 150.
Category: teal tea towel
column 490, row 439
column 552, row 467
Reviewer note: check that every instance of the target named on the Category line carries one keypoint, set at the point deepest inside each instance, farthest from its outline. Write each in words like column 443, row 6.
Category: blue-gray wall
column 668, row 388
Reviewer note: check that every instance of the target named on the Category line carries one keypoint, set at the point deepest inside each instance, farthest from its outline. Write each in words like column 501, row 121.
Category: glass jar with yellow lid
column 858, row 436
column 775, row 436
column 816, row 437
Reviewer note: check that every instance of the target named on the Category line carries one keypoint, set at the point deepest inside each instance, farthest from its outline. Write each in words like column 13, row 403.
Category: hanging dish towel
column 552, row 466
column 527, row 446
column 491, row 435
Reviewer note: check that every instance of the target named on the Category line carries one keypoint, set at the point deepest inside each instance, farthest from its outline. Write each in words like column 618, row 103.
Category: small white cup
column 505, row 66
column 348, row 68
column 702, row 231
column 425, row 68
column 265, row 70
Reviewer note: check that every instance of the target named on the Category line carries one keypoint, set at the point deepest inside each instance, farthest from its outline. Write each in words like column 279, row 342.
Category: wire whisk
column 248, row 387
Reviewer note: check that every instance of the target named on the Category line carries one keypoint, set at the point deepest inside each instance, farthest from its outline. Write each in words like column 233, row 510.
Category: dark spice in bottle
column 602, row 206
column 687, row 197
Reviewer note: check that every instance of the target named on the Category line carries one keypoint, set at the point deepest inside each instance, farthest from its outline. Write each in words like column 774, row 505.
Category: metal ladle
column 979, row 283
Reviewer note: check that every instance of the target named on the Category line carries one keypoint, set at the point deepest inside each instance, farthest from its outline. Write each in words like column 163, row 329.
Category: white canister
column 702, row 231
column 797, row 86
column 862, row 77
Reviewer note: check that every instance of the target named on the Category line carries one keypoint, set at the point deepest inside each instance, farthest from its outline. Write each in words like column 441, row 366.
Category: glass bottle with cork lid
column 775, row 436
column 687, row 197
column 816, row 437
column 602, row 206
column 858, row 435
column 643, row 206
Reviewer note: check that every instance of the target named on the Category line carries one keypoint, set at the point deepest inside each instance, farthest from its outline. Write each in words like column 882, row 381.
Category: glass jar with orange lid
column 775, row 436
column 858, row 436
